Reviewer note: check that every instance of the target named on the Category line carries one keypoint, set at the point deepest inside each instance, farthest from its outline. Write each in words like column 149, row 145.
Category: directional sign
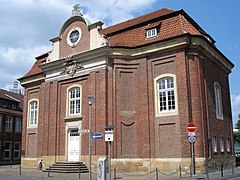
column 108, row 136
column 191, row 127
column 191, row 134
column 192, row 139
column 96, row 136
column 84, row 131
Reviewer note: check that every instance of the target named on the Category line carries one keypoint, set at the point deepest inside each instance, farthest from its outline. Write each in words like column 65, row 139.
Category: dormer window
column 152, row 32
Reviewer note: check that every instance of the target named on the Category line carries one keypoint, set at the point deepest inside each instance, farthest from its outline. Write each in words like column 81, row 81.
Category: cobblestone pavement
column 13, row 173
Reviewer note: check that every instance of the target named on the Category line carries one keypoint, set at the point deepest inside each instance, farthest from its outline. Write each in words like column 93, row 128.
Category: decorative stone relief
column 71, row 67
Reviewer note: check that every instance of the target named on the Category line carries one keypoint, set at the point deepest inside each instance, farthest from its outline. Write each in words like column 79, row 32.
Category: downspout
column 190, row 100
column 188, row 79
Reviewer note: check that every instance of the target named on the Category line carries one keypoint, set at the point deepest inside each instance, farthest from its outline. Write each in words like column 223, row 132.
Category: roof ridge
column 137, row 20
column 181, row 23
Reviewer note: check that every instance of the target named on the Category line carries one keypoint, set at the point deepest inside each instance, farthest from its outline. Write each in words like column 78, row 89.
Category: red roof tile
column 132, row 33
column 35, row 68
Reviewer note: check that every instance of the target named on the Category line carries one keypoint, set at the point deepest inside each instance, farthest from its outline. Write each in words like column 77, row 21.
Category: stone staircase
column 67, row 167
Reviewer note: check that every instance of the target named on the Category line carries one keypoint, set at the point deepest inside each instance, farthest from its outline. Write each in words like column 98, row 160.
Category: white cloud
column 15, row 62
column 114, row 11
column 235, row 101
column 27, row 25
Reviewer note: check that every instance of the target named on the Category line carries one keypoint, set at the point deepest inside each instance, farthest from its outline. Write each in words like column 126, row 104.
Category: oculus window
column 74, row 36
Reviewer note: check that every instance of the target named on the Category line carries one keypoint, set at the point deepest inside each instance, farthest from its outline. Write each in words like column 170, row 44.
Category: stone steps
column 67, row 167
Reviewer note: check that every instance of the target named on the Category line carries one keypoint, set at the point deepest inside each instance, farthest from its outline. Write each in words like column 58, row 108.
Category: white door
column 73, row 145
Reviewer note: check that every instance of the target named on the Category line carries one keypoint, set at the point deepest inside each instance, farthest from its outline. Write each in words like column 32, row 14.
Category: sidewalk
column 227, row 174
column 13, row 173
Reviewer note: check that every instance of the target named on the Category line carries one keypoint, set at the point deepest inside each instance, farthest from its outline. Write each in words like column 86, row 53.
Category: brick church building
column 150, row 76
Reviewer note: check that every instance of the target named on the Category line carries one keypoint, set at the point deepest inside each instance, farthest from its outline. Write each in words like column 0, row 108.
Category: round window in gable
column 74, row 36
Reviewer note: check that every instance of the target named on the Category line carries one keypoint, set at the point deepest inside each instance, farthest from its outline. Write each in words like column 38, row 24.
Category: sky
column 27, row 25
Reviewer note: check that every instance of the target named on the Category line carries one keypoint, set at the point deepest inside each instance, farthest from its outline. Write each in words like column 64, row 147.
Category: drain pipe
column 188, row 79
column 190, row 100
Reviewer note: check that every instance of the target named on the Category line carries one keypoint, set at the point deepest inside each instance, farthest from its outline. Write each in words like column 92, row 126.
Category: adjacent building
column 150, row 76
column 11, row 111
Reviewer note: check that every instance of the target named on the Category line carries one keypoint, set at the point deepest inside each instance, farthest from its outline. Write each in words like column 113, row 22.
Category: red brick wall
column 83, row 45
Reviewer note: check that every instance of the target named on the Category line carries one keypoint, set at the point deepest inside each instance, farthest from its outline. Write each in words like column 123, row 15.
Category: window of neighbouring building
column 1, row 122
column 166, row 95
column 17, row 150
column 221, row 144
column 151, row 33
column 7, row 150
column 218, row 101
column 214, row 144
column 18, row 124
column 33, row 113
column 4, row 103
column 9, row 124
column 74, row 101
column 228, row 144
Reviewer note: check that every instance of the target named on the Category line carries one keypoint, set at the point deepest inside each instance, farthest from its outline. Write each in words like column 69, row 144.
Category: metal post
column 192, row 167
column 156, row 173
column 110, row 160
column 20, row 170
column 221, row 170
column 49, row 169
column 90, row 142
column 115, row 173
column 180, row 171
column 79, row 173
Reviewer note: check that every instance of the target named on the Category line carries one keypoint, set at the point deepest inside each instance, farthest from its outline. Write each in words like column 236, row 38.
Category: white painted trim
column 67, row 101
column 216, row 101
column 28, row 115
column 156, row 104
column 68, row 37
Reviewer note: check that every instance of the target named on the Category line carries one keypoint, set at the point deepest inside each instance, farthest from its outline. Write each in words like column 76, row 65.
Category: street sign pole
column 192, row 167
column 192, row 138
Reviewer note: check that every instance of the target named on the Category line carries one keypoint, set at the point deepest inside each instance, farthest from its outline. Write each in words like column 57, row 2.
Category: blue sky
column 27, row 26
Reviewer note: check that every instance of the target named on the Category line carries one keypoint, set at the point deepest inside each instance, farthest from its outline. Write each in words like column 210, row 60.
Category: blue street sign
column 96, row 136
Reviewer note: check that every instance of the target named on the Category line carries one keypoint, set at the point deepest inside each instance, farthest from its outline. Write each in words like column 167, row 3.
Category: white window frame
column 33, row 113
column 221, row 144
column 167, row 112
column 9, row 124
column 151, row 33
column 18, row 125
column 1, row 118
column 214, row 144
column 218, row 101
column 17, row 151
column 7, row 150
column 228, row 144
column 72, row 101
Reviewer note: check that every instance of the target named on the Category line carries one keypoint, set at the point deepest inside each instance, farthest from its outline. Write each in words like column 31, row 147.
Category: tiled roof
column 137, row 20
column 7, row 95
column 4, row 94
column 35, row 68
column 132, row 33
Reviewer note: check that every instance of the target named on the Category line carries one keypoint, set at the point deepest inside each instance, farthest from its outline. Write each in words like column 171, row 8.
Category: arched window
column 166, row 101
column 74, row 101
column 33, row 113
column 218, row 101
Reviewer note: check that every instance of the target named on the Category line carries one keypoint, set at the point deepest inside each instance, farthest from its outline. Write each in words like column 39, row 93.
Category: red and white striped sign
column 191, row 127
